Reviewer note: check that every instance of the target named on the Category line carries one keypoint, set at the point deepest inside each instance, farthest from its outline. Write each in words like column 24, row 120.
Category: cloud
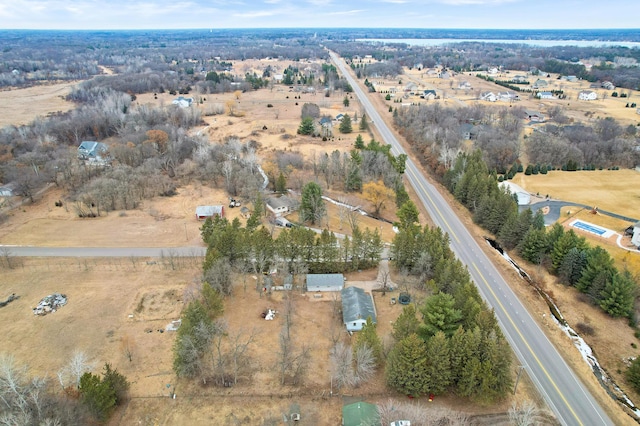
column 256, row 14
column 476, row 2
column 346, row 12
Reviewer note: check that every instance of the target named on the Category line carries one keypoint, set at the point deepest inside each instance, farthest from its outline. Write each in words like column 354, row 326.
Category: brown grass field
column 112, row 299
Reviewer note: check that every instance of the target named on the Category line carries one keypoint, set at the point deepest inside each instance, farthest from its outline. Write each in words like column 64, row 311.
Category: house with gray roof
column 93, row 151
column 281, row 205
column 325, row 282
column 357, row 306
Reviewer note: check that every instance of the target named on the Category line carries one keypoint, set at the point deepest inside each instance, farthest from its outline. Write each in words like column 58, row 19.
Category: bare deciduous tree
column 73, row 371
column 523, row 414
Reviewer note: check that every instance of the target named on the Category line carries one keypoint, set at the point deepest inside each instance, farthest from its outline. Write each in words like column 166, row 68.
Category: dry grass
column 22, row 106
column 611, row 190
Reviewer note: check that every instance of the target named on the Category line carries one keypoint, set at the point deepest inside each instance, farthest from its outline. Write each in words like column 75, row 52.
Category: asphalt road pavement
column 557, row 383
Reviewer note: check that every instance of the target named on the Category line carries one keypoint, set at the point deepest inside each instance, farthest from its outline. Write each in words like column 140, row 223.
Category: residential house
column 281, row 205
column 569, row 78
column 446, row 75
column 545, row 95
column 410, row 87
column 507, row 96
column 182, row 102
column 539, row 84
column 532, row 115
column 278, row 78
column 607, row 85
column 325, row 282
column 360, row 414
column 520, row 79
column 493, row 70
column 339, row 117
column 204, row 212
column 93, row 151
column 465, row 85
column 587, row 95
column 470, row 131
column 357, row 306
column 428, row 94
column 488, row 96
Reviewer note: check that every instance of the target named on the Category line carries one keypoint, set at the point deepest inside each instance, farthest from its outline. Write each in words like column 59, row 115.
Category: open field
column 22, row 106
column 610, row 190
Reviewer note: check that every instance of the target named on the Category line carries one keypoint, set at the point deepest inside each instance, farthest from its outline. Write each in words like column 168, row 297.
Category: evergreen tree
column 439, row 365
column 468, row 302
column 598, row 262
column 566, row 242
column 281, row 184
column 401, row 195
column 369, row 337
column 465, row 364
column 406, row 369
column 571, row 269
column 439, row 314
column 97, row 395
column 345, row 101
column 306, row 126
column 359, row 143
column 312, row 208
column 192, row 340
column 345, row 124
column 117, row 382
column 212, row 301
column 408, row 215
column 533, row 245
column 364, row 124
column 406, row 324
column 633, row 374
column 617, row 297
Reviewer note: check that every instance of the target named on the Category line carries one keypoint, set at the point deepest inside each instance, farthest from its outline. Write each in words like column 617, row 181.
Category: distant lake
column 534, row 43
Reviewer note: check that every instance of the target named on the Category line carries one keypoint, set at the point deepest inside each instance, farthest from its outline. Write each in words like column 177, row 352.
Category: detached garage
column 357, row 306
column 203, row 212
column 325, row 282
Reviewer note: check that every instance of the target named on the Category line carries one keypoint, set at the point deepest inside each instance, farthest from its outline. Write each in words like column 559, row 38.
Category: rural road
column 562, row 390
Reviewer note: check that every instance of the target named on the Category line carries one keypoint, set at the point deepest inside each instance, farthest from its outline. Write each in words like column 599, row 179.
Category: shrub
column 585, row 329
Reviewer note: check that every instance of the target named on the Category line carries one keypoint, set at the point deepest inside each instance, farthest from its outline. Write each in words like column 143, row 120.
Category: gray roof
column 356, row 304
column 277, row 202
column 208, row 210
column 92, row 148
column 326, row 282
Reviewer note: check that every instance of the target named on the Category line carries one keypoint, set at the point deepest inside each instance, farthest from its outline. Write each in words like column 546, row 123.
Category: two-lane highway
column 558, row 384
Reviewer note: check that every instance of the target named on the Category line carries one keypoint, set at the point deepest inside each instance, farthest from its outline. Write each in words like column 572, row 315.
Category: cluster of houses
column 500, row 96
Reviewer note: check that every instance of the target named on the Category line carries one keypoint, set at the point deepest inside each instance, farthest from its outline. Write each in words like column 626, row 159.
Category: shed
column 360, row 414
column 203, row 212
column 325, row 282
column 357, row 306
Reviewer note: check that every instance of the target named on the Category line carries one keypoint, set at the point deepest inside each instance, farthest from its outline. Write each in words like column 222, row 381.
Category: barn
column 203, row 212
column 325, row 282
column 357, row 306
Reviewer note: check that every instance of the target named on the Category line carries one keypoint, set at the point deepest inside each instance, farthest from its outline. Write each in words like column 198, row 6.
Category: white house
column 7, row 190
column 182, row 102
column 465, row 85
column 587, row 95
column 540, row 83
column 357, row 306
column 325, row 282
column 545, row 95
column 280, row 205
column 488, row 96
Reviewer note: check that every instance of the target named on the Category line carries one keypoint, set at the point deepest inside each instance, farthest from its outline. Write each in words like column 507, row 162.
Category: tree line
column 458, row 346
column 565, row 254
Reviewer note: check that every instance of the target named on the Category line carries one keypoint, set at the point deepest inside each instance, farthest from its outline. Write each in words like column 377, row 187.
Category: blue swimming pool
column 589, row 227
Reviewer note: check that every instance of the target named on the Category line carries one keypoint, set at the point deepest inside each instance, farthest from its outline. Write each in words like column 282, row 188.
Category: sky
column 177, row 14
